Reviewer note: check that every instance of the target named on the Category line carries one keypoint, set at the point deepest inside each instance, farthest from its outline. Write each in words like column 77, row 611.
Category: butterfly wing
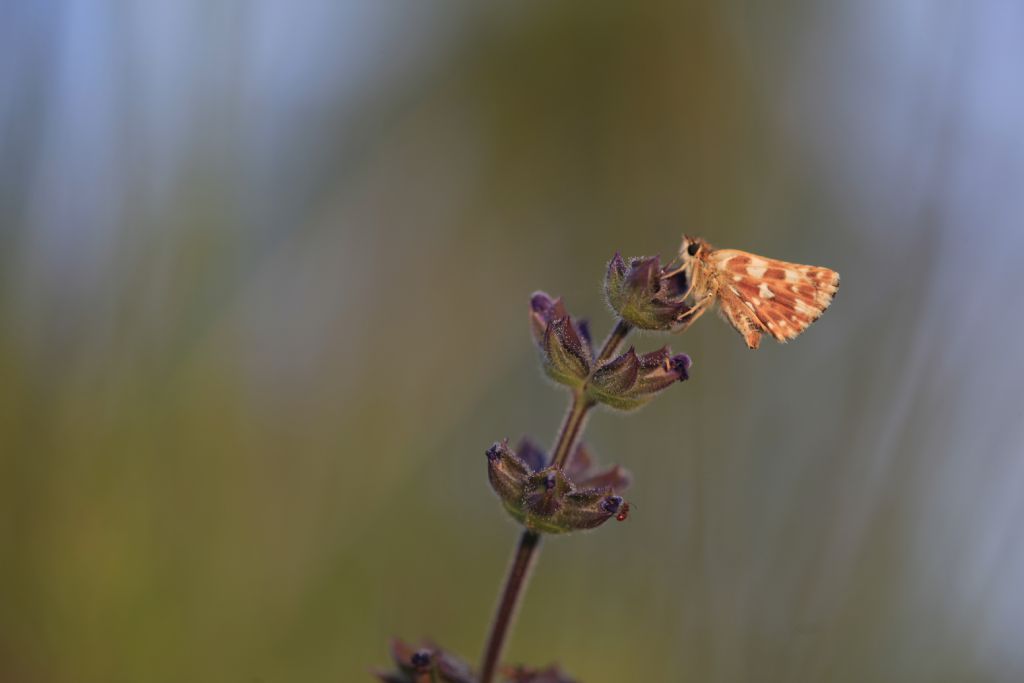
column 741, row 315
column 785, row 298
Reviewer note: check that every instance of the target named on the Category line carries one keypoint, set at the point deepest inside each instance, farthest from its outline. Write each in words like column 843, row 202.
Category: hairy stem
column 614, row 341
column 572, row 429
column 576, row 419
column 529, row 541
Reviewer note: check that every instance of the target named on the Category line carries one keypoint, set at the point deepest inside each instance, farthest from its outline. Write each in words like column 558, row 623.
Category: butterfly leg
column 670, row 264
column 698, row 309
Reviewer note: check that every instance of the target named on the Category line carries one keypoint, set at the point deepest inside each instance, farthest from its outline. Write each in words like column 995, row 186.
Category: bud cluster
column 624, row 382
column 644, row 295
column 629, row 381
column 551, row 500
column 431, row 664
column 427, row 663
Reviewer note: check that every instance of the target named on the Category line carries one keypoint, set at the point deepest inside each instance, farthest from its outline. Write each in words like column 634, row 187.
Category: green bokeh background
column 264, row 272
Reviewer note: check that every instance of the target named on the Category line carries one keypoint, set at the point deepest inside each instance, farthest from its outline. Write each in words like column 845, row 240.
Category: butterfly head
column 691, row 250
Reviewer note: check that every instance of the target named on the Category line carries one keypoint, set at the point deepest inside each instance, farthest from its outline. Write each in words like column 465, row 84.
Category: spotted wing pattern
column 759, row 295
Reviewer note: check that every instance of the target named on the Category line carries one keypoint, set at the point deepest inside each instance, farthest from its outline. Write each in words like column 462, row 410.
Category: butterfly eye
column 692, row 249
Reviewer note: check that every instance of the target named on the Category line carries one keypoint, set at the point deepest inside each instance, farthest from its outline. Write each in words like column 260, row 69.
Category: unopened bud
column 643, row 294
column 565, row 345
column 629, row 381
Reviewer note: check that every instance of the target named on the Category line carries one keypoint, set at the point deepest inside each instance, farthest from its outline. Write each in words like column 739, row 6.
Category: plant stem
column 529, row 541
column 576, row 419
column 518, row 573
column 614, row 341
column 572, row 428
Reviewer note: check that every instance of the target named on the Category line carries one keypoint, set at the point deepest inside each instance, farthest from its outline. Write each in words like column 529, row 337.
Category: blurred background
column 264, row 272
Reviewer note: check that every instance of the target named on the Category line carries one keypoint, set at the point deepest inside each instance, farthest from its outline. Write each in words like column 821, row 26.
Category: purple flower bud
column 618, row 375
column 531, row 454
column 583, row 327
column 629, row 381
column 412, row 665
column 506, row 471
column 582, row 469
column 680, row 363
column 565, row 345
column 544, row 309
column 611, row 504
column 644, row 294
column 642, row 275
column 497, row 450
column 566, row 357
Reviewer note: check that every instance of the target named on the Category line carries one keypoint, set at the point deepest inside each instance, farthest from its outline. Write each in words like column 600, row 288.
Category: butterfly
column 755, row 294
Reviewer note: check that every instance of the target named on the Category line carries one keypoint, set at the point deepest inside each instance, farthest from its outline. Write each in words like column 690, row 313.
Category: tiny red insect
column 623, row 512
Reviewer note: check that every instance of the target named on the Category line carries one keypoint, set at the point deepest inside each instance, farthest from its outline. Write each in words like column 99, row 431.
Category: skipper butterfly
column 755, row 294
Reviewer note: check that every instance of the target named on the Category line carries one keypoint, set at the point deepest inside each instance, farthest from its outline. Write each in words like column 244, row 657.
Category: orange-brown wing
column 785, row 297
column 740, row 314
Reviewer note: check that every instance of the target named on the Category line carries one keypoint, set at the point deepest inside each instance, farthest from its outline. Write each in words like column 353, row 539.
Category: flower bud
column 552, row 500
column 643, row 296
column 506, row 471
column 421, row 659
column 565, row 345
column 629, row 381
column 544, row 309
column 429, row 663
